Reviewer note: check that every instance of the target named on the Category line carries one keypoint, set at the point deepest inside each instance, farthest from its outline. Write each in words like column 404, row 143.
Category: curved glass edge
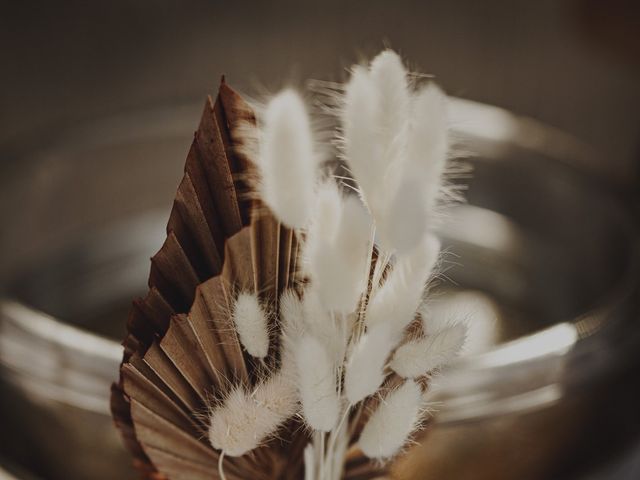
column 471, row 388
column 51, row 361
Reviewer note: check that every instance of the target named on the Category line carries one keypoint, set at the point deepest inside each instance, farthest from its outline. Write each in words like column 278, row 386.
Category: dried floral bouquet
column 286, row 331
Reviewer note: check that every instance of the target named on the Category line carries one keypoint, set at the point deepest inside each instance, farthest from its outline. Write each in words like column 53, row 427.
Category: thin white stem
column 333, row 436
column 340, row 366
column 356, row 419
column 309, row 463
column 221, row 466
column 342, row 420
column 322, row 456
column 365, row 298
column 317, row 453
column 381, row 266
column 263, row 364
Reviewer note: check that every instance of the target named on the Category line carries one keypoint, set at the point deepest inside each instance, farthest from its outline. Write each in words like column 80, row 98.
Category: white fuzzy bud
column 245, row 420
column 397, row 300
column 288, row 163
column 421, row 356
column 405, row 221
column 361, row 148
column 331, row 330
column 291, row 327
column 324, row 224
column 365, row 368
column 339, row 268
column 251, row 324
column 428, row 142
column 392, row 423
column 375, row 123
column 317, row 384
column 328, row 210
column 389, row 78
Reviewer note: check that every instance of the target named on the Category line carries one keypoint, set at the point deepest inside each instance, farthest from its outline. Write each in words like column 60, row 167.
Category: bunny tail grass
column 365, row 369
column 251, row 323
column 392, row 423
column 421, row 356
column 317, row 385
column 428, row 140
column 288, row 163
column 361, row 150
column 389, row 78
column 338, row 266
column 401, row 294
column 245, row 420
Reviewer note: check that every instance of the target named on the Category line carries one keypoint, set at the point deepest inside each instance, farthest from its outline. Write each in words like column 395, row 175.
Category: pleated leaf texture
column 182, row 353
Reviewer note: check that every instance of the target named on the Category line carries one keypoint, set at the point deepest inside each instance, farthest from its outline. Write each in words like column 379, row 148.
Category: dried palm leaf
column 182, row 354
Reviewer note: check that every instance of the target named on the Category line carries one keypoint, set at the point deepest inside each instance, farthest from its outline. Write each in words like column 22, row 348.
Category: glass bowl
column 543, row 260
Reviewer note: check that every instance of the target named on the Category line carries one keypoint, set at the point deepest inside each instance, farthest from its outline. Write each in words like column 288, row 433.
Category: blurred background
column 98, row 101
column 572, row 64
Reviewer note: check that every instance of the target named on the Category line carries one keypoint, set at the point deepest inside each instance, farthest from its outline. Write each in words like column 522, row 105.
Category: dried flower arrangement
column 284, row 334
